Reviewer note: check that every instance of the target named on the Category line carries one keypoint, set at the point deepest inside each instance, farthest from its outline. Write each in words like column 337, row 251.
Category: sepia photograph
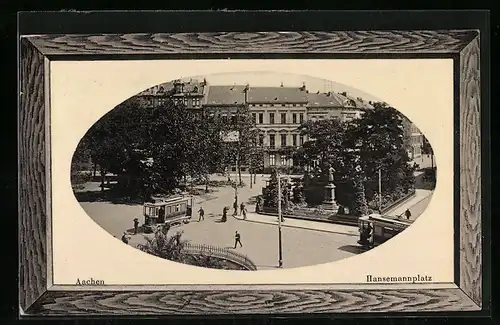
column 237, row 171
column 214, row 170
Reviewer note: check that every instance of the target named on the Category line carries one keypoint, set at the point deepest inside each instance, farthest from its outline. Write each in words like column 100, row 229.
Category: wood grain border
column 36, row 296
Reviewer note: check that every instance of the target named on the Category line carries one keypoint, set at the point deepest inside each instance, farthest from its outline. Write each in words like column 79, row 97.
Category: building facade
column 277, row 112
column 191, row 93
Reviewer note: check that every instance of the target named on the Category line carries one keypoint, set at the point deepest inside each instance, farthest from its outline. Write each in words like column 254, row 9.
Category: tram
column 375, row 229
column 168, row 212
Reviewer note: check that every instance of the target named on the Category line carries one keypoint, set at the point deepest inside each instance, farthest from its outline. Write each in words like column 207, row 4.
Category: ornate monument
column 329, row 200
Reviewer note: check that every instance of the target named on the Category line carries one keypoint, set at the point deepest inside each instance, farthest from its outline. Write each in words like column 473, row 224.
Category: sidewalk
column 420, row 196
column 302, row 224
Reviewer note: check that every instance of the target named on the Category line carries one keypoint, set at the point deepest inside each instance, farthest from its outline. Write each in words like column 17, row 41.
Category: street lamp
column 280, row 261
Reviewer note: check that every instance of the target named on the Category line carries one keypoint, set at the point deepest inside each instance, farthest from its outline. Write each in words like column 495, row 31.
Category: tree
column 324, row 146
column 378, row 138
column 174, row 248
column 357, row 150
column 271, row 192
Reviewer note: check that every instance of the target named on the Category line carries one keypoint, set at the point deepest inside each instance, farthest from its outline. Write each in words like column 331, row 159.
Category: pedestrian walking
column 235, row 207
column 125, row 237
column 224, row 214
column 202, row 214
column 244, row 212
column 242, row 207
column 136, row 225
column 408, row 214
column 237, row 239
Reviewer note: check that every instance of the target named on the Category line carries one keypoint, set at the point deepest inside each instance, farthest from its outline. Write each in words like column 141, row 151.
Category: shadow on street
column 352, row 249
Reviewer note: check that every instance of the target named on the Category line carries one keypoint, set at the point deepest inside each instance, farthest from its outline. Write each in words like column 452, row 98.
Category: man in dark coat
column 202, row 214
column 235, row 207
column 408, row 214
column 136, row 225
column 237, row 239
column 224, row 214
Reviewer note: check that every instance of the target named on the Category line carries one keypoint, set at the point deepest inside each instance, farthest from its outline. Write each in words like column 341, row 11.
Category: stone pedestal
column 329, row 200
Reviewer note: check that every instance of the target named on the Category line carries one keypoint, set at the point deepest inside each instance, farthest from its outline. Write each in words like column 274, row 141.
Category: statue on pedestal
column 329, row 201
column 331, row 170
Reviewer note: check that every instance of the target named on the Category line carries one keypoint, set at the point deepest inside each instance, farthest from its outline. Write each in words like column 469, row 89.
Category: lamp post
column 280, row 261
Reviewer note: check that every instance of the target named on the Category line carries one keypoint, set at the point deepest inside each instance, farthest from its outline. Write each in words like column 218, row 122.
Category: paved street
column 301, row 247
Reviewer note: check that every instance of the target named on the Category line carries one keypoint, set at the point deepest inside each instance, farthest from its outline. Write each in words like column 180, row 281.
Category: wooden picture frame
column 38, row 298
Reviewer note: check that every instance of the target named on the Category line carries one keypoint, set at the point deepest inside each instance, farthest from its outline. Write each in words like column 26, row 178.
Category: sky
column 274, row 79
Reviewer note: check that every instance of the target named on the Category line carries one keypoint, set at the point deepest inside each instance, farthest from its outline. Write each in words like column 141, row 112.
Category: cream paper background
column 83, row 91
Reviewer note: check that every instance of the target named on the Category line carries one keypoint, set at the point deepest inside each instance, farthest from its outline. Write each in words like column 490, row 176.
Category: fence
column 222, row 253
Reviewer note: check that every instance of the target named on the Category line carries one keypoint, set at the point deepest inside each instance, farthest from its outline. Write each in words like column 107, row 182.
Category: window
column 272, row 139
column 294, row 140
column 283, row 105
column 294, row 118
column 294, row 105
column 283, row 140
column 254, row 117
column 283, row 160
column 261, row 139
column 301, row 118
column 224, row 118
column 233, row 119
column 301, row 140
column 272, row 160
column 272, row 105
column 283, row 118
column 261, row 118
column 271, row 118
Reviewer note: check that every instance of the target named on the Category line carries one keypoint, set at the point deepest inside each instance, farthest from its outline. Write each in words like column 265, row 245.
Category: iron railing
column 222, row 253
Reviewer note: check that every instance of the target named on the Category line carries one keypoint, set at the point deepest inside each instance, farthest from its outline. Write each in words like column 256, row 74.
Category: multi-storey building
column 277, row 111
column 333, row 105
column 191, row 93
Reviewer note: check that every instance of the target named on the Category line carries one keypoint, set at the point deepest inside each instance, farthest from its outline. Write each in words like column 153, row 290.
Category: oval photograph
column 253, row 171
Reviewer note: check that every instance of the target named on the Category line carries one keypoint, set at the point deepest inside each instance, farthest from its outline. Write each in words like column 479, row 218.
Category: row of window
column 296, row 140
column 284, row 160
column 297, row 118
column 196, row 102
column 277, row 105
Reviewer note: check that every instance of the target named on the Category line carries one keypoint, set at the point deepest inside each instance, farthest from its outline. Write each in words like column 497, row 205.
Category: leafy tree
column 324, row 146
column 271, row 192
column 357, row 150
column 174, row 248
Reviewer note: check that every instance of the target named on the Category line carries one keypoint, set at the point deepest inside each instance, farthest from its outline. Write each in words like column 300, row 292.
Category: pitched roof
column 225, row 95
column 276, row 95
column 155, row 89
column 325, row 100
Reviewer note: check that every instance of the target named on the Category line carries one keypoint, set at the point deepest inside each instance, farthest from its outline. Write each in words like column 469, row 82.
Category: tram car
column 375, row 229
column 168, row 212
